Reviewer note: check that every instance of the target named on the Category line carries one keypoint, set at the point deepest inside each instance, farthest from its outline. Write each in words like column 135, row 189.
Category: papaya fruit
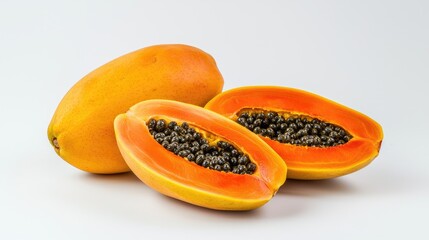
column 81, row 129
column 317, row 137
column 200, row 157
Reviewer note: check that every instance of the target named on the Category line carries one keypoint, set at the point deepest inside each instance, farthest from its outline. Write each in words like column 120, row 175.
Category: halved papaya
column 317, row 138
column 145, row 138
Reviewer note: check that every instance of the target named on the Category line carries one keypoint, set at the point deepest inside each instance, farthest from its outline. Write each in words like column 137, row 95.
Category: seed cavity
column 297, row 130
column 200, row 147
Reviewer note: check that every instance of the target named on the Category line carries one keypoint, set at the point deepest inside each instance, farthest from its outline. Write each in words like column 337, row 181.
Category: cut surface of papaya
column 317, row 137
column 157, row 137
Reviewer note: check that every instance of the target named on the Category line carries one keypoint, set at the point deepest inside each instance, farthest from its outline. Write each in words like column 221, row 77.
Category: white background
column 372, row 56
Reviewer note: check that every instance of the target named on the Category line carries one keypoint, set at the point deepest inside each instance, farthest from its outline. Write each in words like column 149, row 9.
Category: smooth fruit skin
column 179, row 178
column 308, row 163
column 81, row 129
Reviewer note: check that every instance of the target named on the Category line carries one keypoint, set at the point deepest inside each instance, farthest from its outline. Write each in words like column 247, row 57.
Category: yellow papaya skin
column 81, row 130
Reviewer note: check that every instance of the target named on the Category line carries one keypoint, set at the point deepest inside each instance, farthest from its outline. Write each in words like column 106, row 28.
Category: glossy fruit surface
column 182, row 179
column 307, row 162
column 81, row 129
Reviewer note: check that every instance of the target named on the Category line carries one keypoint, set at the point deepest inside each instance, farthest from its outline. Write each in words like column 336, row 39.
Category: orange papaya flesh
column 308, row 162
column 179, row 178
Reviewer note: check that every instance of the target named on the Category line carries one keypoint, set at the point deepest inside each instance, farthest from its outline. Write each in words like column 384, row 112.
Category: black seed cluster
column 296, row 130
column 186, row 142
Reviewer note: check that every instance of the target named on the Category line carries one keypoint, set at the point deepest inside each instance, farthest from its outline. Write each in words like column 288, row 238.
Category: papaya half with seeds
column 81, row 130
column 198, row 156
column 317, row 138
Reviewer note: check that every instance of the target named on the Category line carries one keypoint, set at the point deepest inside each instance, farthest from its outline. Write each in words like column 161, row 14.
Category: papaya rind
column 81, row 129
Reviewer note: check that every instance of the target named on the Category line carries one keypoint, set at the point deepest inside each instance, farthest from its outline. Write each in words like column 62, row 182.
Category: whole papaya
column 81, row 130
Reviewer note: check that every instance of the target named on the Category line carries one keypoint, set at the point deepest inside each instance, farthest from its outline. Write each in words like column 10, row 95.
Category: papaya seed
column 293, row 129
column 188, row 143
